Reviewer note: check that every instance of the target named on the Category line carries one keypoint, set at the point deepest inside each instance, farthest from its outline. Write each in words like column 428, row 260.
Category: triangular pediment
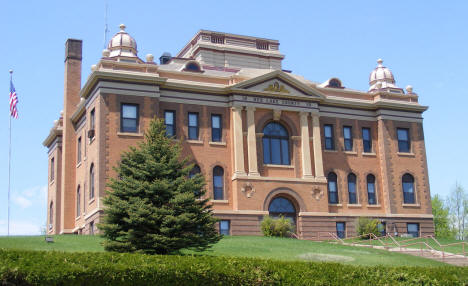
column 278, row 83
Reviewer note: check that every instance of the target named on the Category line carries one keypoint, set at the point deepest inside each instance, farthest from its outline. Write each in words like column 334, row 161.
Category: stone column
column 252, row 142
column 238, row 141
column 305, row 145
column 317, row 146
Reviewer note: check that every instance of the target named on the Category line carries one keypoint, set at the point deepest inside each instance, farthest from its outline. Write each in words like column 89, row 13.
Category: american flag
column 13, row 101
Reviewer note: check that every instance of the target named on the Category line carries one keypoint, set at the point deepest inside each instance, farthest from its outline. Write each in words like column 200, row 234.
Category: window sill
column 78, row 165
column 78, row 217
column 335, row 205
column 91, row 201
column 195, row 142
column 330, row 151
column 219, row 201
column 411, row 205
column 278, row 166
column 373, row 206
column 372, row 154
column 91, row 140
column 354, row 205
column 217, row 143
column 405, row 154
column 130, row 134
column 52, row 182
column 351, row 152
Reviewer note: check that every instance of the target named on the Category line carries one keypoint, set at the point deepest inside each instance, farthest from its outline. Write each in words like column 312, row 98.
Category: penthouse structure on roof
column 268, row 141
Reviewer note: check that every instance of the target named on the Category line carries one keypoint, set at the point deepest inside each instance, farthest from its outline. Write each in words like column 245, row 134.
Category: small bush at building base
column 281, row 227
column 366, row 225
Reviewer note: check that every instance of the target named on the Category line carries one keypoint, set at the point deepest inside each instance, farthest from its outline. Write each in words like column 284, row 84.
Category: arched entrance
column 281, row 206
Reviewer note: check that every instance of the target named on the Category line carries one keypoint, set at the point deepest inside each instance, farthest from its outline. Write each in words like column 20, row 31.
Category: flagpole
column 9, row 163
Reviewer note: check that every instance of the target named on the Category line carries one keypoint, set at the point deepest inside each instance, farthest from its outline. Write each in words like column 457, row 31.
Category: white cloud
column 20, row 227
column 22, row 201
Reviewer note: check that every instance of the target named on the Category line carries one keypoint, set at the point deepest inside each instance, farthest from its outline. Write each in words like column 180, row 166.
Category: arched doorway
column 281, row 206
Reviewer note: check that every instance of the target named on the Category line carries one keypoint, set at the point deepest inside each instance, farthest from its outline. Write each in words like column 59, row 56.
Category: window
column 169, row 120
column 91, row 228
column 78, row 156
column 193, row 67
column 195, row 170
column 78, row 202
column 348, row 138
column 51, row 215
column 218, row 184
column 275, row 144
column 329, row 141
column 91, row 182
column 382, row 228
column 413, row 229
column 216, row 130
column 403, row 140
column 92, row 119
column 282, row 207
column 225, row 227
column 129, row 118
column 366, row 140
column 408, row 189
column 52, row 169
column 332, row 188
column 193, row 126
column 371, row 197
column 341, row 229
column 352, row 188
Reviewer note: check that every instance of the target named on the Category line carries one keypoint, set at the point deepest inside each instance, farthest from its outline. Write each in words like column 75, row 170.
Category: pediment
column 279, row 83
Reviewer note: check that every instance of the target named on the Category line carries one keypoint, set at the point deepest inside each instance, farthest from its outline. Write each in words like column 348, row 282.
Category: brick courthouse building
column 267, row 141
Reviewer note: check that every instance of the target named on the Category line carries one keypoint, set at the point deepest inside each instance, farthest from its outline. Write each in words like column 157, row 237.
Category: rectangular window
column 193, row 126
column 329, row 141
column 216, row 130
column 403, row 140
column 413, row 229
column 129, row 118
column 341, row 229
column 78, row 155
column 169, row 120
column 225, row 227
column 52, row 169
column 91, row 119
column 348, row 138
column 366, row 140
column 382, row 228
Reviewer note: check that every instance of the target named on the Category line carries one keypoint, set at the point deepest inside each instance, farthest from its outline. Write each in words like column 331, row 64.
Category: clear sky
column 424, row 43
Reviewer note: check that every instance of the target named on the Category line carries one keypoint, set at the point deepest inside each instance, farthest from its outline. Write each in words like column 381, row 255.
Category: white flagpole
column 9, row 163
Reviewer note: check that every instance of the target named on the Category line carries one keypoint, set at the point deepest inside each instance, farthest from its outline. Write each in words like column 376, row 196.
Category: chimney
column 71, row 98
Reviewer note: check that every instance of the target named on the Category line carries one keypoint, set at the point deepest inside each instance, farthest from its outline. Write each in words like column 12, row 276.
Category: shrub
column 281, row 227
column 366, row 225
column 109, row 268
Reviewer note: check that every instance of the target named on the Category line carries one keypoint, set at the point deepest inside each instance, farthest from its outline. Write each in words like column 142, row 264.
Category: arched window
column 195, row 170
column 218, row 183
column 408, row 189
column 78, row 202
column 352, row 189
column 275, row 144
column 332, row 188
column 280, row 206
column 51, row 215
column 193, row 67
column 91, row 181
column 371, row 197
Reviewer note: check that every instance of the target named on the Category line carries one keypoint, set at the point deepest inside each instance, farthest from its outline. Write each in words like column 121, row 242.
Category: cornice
column 54, row 133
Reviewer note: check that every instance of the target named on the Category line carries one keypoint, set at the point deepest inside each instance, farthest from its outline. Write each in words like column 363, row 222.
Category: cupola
column 381, row 78
column 122, row 45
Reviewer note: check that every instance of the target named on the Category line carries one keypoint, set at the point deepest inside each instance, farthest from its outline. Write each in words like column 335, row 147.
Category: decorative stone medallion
column 248, row 189
column 317, row 194
column 276, row 87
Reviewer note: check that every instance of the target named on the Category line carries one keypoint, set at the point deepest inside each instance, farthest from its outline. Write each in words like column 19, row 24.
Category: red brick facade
column 246, row 102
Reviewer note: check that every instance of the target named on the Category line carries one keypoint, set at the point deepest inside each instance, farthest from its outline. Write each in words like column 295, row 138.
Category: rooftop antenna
column 106, row 29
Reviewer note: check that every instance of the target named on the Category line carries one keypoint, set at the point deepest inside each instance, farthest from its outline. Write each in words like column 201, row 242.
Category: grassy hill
column 241, row 246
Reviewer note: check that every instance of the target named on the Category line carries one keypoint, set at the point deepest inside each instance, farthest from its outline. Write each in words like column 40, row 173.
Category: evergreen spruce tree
column 153, row 206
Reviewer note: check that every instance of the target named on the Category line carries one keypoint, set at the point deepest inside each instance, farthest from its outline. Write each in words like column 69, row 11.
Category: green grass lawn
column 458, row 248
column 284, row 249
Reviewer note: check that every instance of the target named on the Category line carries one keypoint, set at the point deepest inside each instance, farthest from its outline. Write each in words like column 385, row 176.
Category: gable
column 280, row 84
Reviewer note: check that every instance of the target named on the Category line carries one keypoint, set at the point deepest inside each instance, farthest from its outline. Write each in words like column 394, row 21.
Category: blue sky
column 423, row 42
